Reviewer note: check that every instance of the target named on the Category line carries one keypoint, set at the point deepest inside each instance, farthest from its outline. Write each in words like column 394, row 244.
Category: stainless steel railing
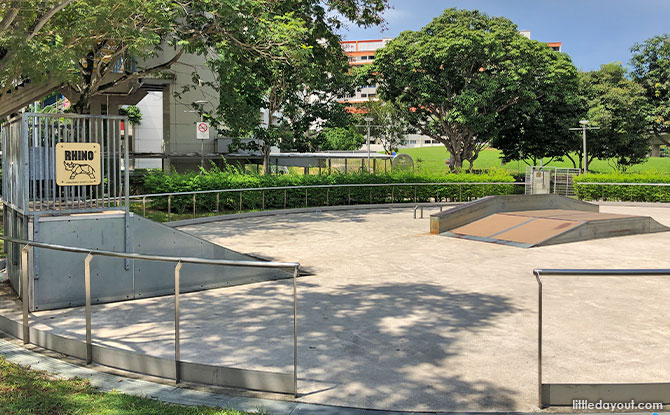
column 539, row 273
column 179, row 261
column 145, row 197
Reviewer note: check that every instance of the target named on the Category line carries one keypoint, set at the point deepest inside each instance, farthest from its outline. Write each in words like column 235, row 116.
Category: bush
column 623, row 192
column 215, row 179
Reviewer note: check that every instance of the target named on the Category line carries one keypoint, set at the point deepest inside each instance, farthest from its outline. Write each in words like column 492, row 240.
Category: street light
column 368, row 120
column 583, row 128
column 202, row 142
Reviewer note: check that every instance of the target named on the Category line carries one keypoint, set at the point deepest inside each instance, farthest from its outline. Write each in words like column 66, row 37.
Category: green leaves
column 455, row 78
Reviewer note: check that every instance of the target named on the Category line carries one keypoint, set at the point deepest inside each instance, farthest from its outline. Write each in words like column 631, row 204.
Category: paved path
column 396, row 319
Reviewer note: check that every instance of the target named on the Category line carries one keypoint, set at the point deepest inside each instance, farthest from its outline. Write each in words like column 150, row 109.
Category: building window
column 371, row 57
column 364, row 58
column 372, row 95
column 364, row 95
column 427, row 141
column 411, row 141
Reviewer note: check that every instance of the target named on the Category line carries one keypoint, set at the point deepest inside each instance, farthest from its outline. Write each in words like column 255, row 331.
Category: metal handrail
column 317, row 186
column 29, row 245
column 622, row 184
column 577, row 272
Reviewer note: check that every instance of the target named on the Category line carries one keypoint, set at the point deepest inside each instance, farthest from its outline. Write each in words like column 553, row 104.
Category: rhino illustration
column 79, row 168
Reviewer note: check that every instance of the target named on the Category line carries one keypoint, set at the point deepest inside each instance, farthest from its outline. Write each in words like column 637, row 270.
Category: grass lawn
column 25, row 391
column 431, row 160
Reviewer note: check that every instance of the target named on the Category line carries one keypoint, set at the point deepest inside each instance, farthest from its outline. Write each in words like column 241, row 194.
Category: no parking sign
column 202, row 131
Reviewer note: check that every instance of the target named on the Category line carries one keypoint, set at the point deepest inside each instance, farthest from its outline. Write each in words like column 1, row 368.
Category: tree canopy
column 618, row 106
column 651, row 69
column 454, row 78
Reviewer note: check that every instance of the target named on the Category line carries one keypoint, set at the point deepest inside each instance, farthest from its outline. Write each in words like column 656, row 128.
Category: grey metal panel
column 61, row 283
column 153, row 278
column 562, row 394
column 11, row 327
column 237, row 378
column 60, row 344
column 133, row 362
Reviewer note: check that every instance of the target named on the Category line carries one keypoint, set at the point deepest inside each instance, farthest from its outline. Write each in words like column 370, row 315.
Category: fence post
column 460, row 193
column 144, row 206
column 414, row 193
column 284, row 198
column 262, row 199
column 217, row 202
column 295, row 331
column 370, row 194
column 349, row 195
column 306, row 197
column 194, row 205
column 169, row 207
column 392, row 192
column 25, row 292
column 240, row 201
column 87, row 289
column 177, row 358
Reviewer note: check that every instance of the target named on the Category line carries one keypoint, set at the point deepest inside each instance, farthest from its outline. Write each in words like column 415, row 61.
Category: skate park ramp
column 536, row 220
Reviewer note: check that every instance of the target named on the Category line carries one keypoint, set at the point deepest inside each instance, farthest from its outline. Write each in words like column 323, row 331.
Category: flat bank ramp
column 487, row 220
column 58, row 277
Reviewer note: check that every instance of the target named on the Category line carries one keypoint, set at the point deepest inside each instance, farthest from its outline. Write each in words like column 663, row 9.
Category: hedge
column 214, row 179
column 623, row 192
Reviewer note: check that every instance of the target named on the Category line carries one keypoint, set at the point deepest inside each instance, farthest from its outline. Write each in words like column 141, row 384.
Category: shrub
column 215, row 179
column 622, row 192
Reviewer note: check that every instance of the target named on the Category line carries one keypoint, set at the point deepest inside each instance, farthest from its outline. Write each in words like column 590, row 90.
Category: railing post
column 144, row 206
column 421, row 212
column 349, row 194
column 217, row 202
column 415, row 208
column 240, row 200
column 194, row 205
column 295, row 332
column 306, row 197
column 177, row 357
column 284, row 198
column 262, row 199
column 392, row 192
column 415, row 194
column 87, row 289
column 460, row 193
column 169, row 207
column 539, row 340
column 370, row 194
column 25, row 293
column 327, row 195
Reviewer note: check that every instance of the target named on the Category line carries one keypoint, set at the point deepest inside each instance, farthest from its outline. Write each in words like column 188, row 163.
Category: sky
column 593, row 32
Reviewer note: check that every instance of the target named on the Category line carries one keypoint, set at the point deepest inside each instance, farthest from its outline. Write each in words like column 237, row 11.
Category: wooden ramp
column 486, row 220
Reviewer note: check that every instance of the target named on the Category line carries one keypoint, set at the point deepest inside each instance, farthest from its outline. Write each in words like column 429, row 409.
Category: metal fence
column 550, row 394
column 149, row 365
column 413, row 195
column 28, row 149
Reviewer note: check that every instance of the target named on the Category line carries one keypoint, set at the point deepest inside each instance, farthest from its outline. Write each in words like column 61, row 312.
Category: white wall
column 148, row 134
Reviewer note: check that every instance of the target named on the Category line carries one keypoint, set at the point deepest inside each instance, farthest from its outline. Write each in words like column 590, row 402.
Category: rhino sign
column 78, row 164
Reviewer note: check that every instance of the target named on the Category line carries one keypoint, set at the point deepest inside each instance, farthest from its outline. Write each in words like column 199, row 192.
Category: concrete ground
column 394, row 318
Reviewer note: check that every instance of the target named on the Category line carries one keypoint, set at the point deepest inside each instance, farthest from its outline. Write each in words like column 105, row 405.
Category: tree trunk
column 266, row 159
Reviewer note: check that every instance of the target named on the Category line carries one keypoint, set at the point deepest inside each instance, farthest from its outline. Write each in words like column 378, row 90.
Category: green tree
column 456, row 76
column 296, row 78
column 339, row 138
column 651, row 69
column 618, row 106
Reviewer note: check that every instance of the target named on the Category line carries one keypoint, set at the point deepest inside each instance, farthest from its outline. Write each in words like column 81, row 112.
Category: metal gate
column 543, row 179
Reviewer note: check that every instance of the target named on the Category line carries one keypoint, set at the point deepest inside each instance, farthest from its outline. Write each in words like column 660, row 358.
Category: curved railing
column 150, row 365
column 391, row 196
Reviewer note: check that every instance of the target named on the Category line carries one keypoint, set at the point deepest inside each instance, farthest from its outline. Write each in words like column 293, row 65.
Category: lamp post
column 202, row 142
column 368, row 120
column 584, row 126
